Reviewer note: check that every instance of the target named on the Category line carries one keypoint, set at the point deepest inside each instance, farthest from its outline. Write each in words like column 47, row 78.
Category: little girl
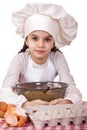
column 45, row 28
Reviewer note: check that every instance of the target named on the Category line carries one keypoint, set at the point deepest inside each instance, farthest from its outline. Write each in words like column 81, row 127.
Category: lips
column 40, row 51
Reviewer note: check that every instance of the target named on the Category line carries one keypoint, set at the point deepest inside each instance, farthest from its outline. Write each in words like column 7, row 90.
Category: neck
column 39, row 60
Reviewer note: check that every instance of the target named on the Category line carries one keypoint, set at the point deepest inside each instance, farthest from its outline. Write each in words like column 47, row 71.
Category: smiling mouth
column 40, row 51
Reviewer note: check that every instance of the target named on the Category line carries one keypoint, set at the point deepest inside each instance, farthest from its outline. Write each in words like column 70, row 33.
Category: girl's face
column 40, row 44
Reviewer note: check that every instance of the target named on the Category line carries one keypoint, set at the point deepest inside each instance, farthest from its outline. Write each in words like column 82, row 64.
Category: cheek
column 31, row 45
column 50, row 46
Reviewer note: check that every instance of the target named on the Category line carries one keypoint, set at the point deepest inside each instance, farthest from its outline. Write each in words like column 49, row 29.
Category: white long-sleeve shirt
column 23, row 69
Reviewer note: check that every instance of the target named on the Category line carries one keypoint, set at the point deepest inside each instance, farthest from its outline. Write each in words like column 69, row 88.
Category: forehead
column 41, row 33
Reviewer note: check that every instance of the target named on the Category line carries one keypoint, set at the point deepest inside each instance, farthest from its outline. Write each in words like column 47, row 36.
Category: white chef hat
column 47, row 17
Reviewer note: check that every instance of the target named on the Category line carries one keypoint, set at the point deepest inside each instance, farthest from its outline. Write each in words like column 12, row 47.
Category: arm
column 15, row 70
column 7, row 95
column 72, row 92
column 13, row 74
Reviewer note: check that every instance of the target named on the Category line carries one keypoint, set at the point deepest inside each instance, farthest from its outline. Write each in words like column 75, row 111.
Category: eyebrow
column 37, row 35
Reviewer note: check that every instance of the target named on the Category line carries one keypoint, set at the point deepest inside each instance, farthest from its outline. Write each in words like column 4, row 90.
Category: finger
column 56, row 101
column 41, row 102
column 65, row 101
column 37, row 102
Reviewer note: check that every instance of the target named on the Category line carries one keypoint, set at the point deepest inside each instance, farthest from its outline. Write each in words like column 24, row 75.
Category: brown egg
column 1, row 114
column 12, row 118
column 3, row 106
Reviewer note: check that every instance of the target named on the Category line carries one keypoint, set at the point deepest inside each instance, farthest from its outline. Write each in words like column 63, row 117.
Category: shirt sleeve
column 72, row 92
column 14, row 71
column 7, row 95
column 63, row 69
column 12, row 78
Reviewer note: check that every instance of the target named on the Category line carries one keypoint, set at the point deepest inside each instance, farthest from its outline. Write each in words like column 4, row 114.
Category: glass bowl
column 46, row 91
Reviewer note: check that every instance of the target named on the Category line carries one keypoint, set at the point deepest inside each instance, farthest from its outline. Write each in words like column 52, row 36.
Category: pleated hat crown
column 47, row 17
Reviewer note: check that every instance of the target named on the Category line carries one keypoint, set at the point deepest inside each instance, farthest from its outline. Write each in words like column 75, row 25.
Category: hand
column 60, row 101
column 35, row 102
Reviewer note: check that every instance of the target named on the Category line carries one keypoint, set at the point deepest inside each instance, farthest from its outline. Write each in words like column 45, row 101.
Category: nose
column 41, row 43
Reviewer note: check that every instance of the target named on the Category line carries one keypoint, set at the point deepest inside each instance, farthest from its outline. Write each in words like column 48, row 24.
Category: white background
column 76, row 53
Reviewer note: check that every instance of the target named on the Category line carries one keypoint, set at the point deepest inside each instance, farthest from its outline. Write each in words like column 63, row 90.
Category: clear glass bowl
column 46, row 91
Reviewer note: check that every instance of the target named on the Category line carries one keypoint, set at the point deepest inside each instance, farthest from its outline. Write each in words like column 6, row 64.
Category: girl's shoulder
column 20, row 58
column 22, row 55
column 57, row 57
column 56, row 54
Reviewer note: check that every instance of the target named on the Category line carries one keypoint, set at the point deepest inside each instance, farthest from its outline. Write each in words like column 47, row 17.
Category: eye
column 35, row 38
column 48, row 40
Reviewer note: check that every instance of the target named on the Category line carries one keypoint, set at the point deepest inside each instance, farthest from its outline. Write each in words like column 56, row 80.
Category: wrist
column 68, row 101
column 24, row 104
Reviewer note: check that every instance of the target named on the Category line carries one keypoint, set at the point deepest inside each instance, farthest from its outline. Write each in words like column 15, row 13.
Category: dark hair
column 23, row 48
column 54, row 49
